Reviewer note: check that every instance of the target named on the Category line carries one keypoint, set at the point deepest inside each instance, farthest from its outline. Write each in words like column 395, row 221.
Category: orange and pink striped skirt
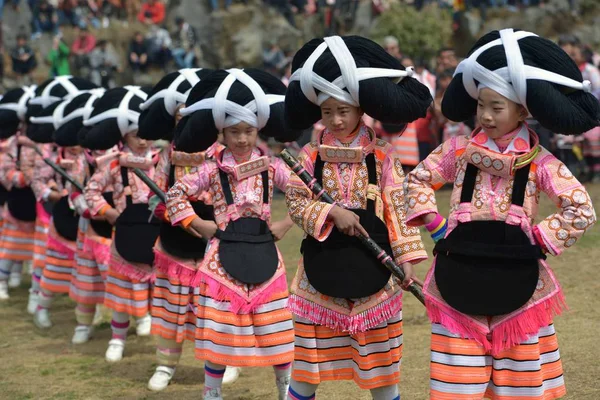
column 91, row 265
column 462, row 370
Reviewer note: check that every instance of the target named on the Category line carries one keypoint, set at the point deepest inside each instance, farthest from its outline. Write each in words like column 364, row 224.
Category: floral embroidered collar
column 332, row 150
column 483, row 152
column 257, row 163
column 521, row 143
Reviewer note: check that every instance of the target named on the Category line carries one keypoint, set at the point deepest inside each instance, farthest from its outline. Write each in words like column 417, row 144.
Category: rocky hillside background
column 238, row 37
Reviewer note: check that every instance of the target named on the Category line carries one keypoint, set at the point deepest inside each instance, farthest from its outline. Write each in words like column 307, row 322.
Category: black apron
column 134, row 235
column 488, row 267
column 341, row 266
column 3, row 195
column 65, row 220
column 102, row 227
column 246, row 247
column 21, row 201
column 175, row 240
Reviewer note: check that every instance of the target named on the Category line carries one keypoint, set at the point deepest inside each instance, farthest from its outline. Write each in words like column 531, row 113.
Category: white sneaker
column 213, row 394
column 15, row 279
column 283, row 385
column 83, row 333
column 114, row 353
column 231, row 375
column 33, row 301
column 143, row 325
column 161, row 378
column 41, row 318
column 4, row 290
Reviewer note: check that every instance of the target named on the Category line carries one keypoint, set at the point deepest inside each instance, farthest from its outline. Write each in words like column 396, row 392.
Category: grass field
column 45, row 365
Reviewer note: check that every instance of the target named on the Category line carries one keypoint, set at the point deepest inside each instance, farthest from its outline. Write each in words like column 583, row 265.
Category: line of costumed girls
column 193, row 256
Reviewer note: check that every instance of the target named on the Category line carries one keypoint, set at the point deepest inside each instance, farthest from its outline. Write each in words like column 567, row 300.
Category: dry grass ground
column 44, row 365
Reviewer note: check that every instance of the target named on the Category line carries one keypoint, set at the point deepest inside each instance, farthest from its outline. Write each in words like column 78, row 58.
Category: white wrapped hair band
column 227, row 113
column 510, row 81
column 20, row 107
column 55, row 119
column 350, row 75
column 171, row 96
column 87, row 108
column 127, row 119
column 45, row 99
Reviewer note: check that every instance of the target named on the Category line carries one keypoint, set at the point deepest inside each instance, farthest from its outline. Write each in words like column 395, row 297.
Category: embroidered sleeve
column 98, row 183
column 575, row 214
column 43, row 180
column 189, row 187
column 7, row 165
column 406, row 241
column 307, row 212
column 28, row 157
column 431, row 174
column 161, row 174
column 282, row 173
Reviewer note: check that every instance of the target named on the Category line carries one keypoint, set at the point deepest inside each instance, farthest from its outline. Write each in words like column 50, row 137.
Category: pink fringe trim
column 42, row 215
column 171, row 267
column 60, row 246
column 508, row 333
column 339, row 322
column 131, row 271
column 100, row 251
column 237, row 303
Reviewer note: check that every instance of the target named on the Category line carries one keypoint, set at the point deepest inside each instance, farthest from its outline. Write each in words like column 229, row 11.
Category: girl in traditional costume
column 177, row 254
column 93, row 236
column 16, row 239
column 490, row 295
column 54, row 192
column 348, row 308
column 50, row 92
column 241, row 312
column 115, row 119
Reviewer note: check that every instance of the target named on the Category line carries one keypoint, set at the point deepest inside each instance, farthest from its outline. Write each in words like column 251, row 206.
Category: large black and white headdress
column 529, row 70
column 356, row 71
column 13, row 109
column 56, row 89
column 227, row 97
column 157, row 119
column 74, row 113
column 114, row 115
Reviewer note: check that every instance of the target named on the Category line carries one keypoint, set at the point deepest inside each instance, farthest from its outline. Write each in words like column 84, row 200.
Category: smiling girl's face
column 498, row 115
column 340, row 118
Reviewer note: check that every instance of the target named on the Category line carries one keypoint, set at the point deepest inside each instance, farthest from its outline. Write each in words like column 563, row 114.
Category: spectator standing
column 103, row 63
column 58, row 58
column 575, row 49
column 81, row 49
column 446, row 59
column 138, row 53
column 23, row 60
column 45, row 19
column 392, row 46
column 152, row 12
column 159, row 46
column 184, row 47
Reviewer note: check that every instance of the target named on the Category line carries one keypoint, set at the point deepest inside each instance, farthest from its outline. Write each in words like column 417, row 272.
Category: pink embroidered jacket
column 12, row 174
column 45, row 178
column 247, row 192
column 109, row 175
column 492, row 195
column 347, row 183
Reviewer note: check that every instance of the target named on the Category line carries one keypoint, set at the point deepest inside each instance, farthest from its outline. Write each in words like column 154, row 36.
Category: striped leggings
column 462, row 370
